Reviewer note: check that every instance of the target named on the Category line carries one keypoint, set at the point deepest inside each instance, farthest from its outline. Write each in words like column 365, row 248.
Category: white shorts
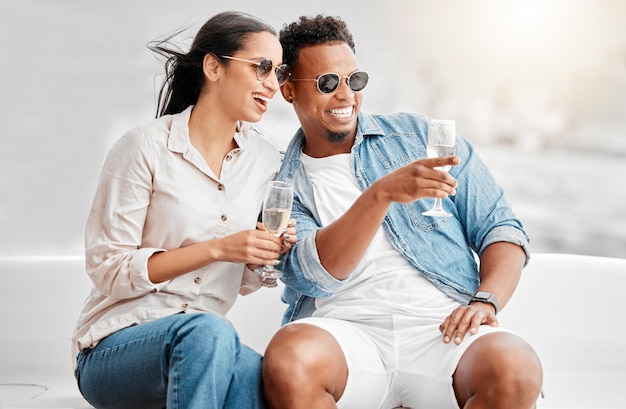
column 397, row 361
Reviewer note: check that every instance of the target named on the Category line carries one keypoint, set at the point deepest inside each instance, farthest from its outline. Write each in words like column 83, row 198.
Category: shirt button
column 229, row 156
column 224, row 217
column 220, row 187
column 197, row 280
column 184, row 306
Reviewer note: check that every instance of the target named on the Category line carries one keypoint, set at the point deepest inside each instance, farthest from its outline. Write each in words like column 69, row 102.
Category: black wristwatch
column 487, row 297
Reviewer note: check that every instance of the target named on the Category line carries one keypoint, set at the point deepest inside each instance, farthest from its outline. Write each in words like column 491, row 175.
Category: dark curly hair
column 308, row 31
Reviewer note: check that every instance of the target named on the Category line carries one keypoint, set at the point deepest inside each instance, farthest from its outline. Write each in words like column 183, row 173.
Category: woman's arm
column 247, row 247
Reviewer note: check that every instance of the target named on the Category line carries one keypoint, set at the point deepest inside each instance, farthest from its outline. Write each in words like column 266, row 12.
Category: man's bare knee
column 501, row 368
column 303, row 356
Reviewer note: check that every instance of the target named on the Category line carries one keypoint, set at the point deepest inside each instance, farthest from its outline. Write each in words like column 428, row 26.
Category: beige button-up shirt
column 156, row 193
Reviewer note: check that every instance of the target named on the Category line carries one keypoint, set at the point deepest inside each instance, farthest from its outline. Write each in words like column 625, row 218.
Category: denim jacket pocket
column 398, row 149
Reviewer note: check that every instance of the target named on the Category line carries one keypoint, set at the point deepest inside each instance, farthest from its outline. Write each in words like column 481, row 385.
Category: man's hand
column 418, row 180
column 467, row 319
column 289, row 237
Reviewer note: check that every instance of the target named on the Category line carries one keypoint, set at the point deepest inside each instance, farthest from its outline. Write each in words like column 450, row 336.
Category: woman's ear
column 211, row 67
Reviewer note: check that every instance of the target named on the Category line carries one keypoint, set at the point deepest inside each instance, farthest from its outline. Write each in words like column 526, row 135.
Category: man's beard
column 336, row 137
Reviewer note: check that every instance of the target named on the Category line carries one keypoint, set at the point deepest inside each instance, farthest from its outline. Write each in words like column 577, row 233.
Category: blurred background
column 539, row 86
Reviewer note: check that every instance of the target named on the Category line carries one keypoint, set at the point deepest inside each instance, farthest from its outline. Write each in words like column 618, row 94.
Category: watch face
column 487, row 297
column 483, row 294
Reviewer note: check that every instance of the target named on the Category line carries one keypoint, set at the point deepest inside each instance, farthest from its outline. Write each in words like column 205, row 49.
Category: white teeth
column 261, row 97
column 342, row 112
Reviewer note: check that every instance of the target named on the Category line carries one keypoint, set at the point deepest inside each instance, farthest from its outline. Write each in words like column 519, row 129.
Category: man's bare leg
column 304, row 367
column 498, row 370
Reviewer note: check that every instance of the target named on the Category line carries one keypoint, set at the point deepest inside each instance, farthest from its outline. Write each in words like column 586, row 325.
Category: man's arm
column 358, row 226
column 500, row 270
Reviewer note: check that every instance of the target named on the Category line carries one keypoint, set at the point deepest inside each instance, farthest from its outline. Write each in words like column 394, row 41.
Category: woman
column 171, row 236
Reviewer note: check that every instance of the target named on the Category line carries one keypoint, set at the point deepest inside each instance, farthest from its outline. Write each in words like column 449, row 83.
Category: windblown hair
column 222, row 34
column 308, row 31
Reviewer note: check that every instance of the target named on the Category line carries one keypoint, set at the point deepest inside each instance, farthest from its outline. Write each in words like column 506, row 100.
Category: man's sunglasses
column 329, row 82
column 264, row 68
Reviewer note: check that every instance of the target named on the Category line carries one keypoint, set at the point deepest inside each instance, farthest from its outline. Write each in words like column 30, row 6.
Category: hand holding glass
column 441, row 144
column 276, row 212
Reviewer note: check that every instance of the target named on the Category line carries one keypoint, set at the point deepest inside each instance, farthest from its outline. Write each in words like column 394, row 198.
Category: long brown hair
column 222, row 34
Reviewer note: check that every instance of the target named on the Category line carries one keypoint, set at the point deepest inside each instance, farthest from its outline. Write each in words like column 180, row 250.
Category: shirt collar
column 179, row 141
column 367, row 126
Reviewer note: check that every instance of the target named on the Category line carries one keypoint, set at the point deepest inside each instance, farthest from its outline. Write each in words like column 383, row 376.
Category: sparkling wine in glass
column 276, row 213
column 441, row 144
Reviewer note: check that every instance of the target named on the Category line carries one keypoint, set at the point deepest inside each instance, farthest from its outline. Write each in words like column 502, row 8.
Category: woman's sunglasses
column 329, row 82
column 264, row 68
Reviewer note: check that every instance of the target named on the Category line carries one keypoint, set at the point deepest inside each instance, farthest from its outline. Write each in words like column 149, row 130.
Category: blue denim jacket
column 441, row 249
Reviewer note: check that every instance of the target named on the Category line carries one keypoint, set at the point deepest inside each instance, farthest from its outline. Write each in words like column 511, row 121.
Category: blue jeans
column 181, row 361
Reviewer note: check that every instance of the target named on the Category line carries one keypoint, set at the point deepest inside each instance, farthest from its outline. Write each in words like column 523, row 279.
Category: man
column 388, row 307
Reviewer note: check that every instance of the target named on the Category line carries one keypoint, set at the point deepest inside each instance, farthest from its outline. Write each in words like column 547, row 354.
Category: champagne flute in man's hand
column 441, row 144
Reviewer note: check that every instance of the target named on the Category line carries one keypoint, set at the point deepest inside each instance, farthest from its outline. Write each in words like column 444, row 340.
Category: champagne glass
column 441, row 143
column 276, row 212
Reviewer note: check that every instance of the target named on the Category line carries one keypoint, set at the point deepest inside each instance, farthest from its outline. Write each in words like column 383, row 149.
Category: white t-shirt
column 384, row 282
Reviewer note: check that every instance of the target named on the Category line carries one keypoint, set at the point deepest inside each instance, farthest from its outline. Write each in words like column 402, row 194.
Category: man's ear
column 211, row 67
column 287, row 91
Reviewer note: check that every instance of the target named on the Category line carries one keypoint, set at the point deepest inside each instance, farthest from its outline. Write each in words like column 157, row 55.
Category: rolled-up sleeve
column 303, row 269
column 509, row 234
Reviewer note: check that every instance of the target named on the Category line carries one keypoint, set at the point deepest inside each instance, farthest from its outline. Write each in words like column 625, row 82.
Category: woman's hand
column 285, row 241
column 256, row 247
